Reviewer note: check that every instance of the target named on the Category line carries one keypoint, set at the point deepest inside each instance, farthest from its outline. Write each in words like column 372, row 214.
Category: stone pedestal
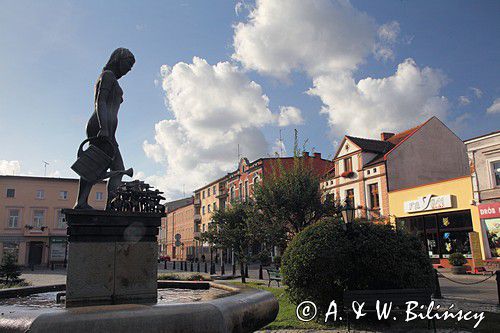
column 112, row 257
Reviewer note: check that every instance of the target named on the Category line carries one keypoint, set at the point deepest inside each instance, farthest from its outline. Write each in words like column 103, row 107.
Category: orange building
column 33, row 227
column 178, row 226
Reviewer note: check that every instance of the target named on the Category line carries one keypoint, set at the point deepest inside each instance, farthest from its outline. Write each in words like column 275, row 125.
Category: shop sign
column 489, row 211
column 428, row 202
column 57, row 249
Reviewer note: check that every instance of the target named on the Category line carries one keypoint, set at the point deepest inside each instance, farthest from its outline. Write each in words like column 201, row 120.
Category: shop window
column 496, row 172
column 374, row 199
column 493, row 233
column 14, row 218
column 11, row 193
column 12, row 248
column 348, row 164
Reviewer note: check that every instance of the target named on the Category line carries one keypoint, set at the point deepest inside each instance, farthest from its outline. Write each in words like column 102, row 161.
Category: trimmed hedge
column 324, row 260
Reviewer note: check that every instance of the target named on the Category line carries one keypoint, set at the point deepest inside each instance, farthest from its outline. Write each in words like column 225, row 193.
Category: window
column 213, row 190
column 61, row 221
column 349, row 195
column 246, row 189
column 208, row 192
column 40, row 194
column 203, row 210
column 215, row 206
column 38, row 218
column 232, row 193
column 209, row 207
column 203, row 195
column 348, row 164
column 496, row 173
column 374, row 200
column 99, row 196
column 14, row 218
column 241, row 190
column 203, row 228
column 368, row 172
column 11, row 193
column 63, row 195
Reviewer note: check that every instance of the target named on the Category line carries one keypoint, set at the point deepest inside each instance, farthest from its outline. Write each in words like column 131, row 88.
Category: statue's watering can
column 93, row 163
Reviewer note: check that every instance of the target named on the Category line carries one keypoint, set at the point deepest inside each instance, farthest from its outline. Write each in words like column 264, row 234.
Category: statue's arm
column 106, row 83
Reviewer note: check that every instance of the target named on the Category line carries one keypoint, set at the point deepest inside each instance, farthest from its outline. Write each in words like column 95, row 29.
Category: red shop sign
column 489, row 211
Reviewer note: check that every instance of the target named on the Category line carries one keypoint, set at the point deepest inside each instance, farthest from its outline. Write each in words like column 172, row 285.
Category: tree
column 9, row 269
column 231, row 228
column 289, row 201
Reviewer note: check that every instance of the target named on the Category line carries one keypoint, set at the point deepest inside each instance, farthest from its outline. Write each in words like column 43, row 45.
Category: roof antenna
column 45, row 168
column 281, row 145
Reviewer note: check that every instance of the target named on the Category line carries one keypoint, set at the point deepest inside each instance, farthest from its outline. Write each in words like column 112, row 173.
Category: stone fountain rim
column 245, row 310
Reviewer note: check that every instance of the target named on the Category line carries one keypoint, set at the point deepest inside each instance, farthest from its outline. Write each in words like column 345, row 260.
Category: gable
column 346, row 147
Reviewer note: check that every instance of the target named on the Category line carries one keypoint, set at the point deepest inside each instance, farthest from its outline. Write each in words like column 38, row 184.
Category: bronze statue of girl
column 104, row 120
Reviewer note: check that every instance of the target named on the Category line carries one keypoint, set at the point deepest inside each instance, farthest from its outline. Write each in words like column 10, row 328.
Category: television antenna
column 45, row 168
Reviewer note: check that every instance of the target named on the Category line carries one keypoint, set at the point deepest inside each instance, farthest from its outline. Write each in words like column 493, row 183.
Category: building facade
column 430, row 194
column 178, row 227
column 484, row 156
column 33, row 227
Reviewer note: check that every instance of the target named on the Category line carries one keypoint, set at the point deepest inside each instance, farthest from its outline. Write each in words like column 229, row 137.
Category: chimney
column 305, row 154
column 384, row 136
column 317, row 155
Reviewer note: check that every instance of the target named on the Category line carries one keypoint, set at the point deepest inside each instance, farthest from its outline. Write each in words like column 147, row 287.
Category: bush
column 324, row 260
column 457, row 259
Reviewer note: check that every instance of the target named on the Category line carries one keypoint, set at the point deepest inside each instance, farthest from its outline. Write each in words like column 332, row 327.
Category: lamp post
column 347, row 214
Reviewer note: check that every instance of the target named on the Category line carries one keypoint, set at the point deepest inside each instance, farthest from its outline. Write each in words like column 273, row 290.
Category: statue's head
column 120, row 62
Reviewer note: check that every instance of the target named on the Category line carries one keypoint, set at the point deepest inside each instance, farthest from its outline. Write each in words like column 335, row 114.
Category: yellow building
column 33, row 227
column 444, row 216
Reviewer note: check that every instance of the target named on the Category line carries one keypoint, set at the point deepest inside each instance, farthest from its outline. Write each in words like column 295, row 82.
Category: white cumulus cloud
column 10, row 167
column 215, row 108
column 328, row 40
column 315, row 36
column 371, row 105
column 495, row 107
column 290, row 115
column 463, row 100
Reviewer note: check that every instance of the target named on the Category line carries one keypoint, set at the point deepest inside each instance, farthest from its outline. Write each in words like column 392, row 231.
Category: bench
column 274, row 275
column 398, row 298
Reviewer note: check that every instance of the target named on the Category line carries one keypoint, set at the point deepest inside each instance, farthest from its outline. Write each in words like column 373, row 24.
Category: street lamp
column 347, row 213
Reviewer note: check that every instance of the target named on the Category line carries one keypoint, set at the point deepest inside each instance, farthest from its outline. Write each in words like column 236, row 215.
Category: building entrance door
column 35, row 253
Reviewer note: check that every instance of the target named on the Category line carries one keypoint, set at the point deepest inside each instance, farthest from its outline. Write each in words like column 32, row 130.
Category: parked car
column 163, row 258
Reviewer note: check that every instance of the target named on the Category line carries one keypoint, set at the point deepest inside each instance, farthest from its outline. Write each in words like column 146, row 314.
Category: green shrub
column 10, row 271
column 457, row 259
column 324, row 260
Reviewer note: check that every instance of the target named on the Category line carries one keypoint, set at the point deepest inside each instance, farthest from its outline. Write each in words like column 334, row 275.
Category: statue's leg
column 84, row 188
column 115, row 181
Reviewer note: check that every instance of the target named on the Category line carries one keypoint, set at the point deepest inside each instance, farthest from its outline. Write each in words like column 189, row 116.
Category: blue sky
column 324, row 67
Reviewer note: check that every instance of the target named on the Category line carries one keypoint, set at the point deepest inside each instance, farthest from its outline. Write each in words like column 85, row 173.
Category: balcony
column 222, row 194
column 197, row 217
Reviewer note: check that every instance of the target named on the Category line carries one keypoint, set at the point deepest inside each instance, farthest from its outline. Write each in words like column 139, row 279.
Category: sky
column 216, row 78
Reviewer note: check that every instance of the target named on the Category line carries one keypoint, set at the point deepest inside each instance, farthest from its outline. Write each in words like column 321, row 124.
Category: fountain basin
column 241, row 309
